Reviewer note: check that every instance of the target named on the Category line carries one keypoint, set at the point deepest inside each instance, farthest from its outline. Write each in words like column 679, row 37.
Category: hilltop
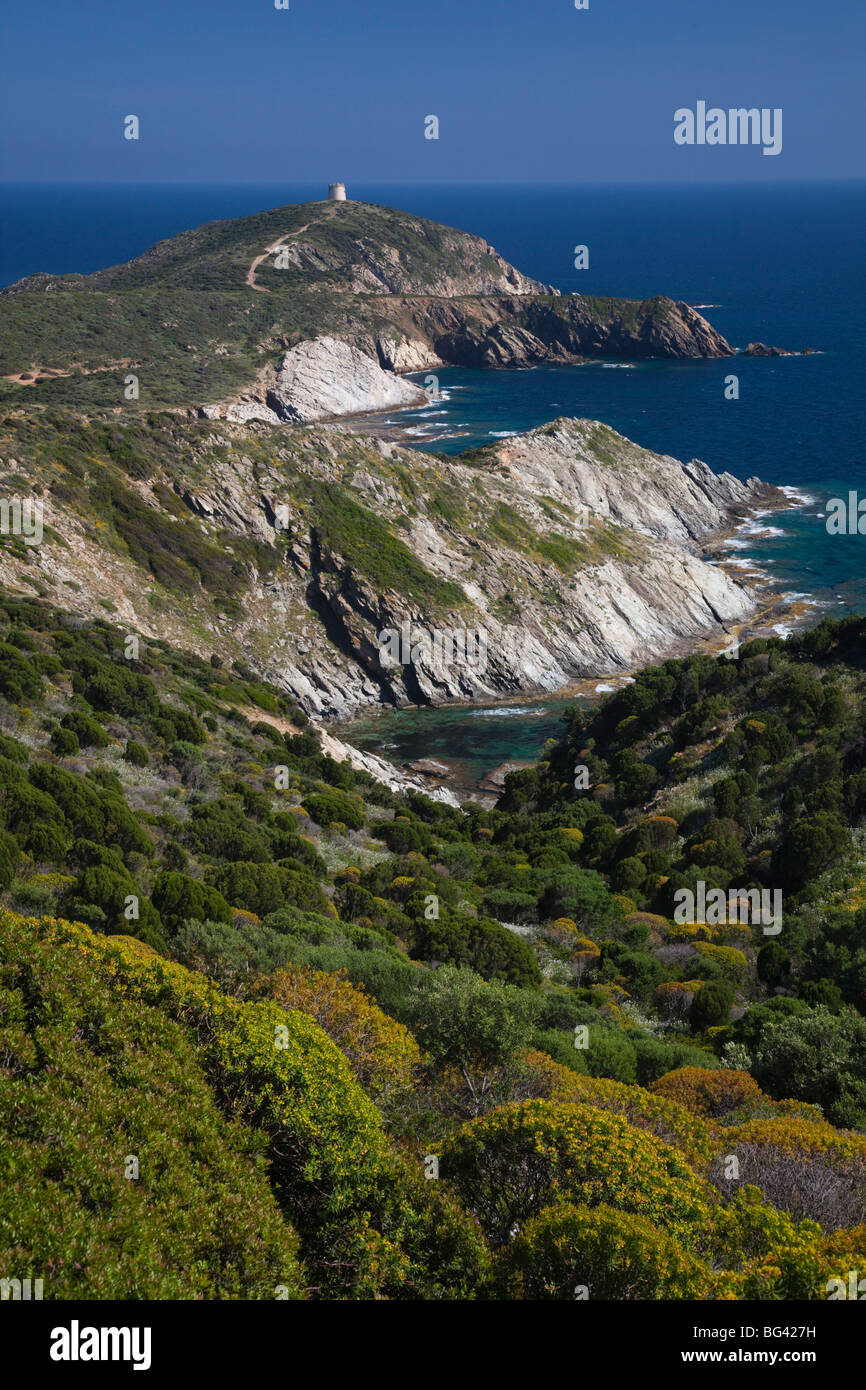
column 206, row 317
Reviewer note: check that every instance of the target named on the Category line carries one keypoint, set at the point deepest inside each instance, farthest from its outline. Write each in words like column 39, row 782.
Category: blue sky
column 525, row 90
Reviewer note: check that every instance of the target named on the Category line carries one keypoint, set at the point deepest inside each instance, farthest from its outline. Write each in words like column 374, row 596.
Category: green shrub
column 136, row 753
column 110, row 1084
column 177, row 897
column 64, row 742
column 328, row 807
column 87, row 731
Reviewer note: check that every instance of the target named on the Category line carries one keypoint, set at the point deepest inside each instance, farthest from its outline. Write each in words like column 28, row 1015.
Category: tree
column 87, row 731
column 580, row 894
column 136, row 753
column 329, row 807
column 474, row 1026
column 810, row 846
column 64, row 743
column 176, row 897
column 774, row 963
column 711, row 1006
column 112, row 891
column 486, row 945
column 817, row 1056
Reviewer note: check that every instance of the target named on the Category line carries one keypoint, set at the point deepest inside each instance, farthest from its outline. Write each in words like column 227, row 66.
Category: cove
column 471, row 741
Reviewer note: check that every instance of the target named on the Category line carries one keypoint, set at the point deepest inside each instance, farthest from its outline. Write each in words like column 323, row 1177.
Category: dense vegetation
column 386, row 1048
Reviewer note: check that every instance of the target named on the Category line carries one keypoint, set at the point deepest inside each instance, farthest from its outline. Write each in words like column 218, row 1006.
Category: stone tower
column 336, row 193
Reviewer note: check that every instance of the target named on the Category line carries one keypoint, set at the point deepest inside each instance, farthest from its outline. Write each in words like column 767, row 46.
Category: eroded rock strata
column 292, row 549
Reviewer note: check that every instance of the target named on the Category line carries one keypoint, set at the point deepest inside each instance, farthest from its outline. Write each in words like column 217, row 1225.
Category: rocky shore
column 575, row 553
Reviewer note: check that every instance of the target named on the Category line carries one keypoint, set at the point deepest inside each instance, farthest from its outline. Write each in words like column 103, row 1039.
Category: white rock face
column 243, row 411
column 323, row 378
column 630, row 590
column 405, row 354
column 585, row 464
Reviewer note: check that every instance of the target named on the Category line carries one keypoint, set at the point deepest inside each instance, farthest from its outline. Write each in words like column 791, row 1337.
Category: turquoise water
column 470, row 742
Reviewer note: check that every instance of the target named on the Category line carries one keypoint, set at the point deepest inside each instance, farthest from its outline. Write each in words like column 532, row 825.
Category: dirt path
column 275, row 246
column 30, row 376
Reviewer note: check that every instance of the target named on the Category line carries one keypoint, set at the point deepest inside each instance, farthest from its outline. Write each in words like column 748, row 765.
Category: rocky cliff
column 292, row 550
column 327, row 377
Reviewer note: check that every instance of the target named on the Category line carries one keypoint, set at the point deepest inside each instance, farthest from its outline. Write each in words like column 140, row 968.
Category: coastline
column 776, row 615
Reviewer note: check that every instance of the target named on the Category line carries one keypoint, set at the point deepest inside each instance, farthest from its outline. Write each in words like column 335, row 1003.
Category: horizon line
column 455, row 183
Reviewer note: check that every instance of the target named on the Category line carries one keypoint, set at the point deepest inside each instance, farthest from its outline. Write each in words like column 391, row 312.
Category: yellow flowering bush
column 120, row 1175
column 748, row 1228
column 794, row 1134
column 346, row 1191
column 706, row 1092
column 689, row 931
column 522, row 1157
column 382, row 1053
column 612, row 1254
column 807, row 1272
column 659, row 832
column 733, row 962
column 664, row 1118
column 572, row 835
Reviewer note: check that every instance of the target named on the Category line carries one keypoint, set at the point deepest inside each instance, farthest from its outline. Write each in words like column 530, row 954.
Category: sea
column 781, row 264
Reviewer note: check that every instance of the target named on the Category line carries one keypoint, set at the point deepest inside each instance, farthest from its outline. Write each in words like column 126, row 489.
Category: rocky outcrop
column 329, row 377
column 394, row 778
column 405, row 354
column 586, row 464
column 518, row 332
column 563, row 554
column 761, row 350
column 325, row 378
column 243, row 411
column 610, row 617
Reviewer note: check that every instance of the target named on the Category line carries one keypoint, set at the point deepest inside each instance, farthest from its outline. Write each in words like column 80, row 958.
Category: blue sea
column 782, row 264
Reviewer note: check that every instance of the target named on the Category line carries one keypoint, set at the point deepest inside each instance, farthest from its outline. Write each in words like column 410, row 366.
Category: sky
column 525, row 91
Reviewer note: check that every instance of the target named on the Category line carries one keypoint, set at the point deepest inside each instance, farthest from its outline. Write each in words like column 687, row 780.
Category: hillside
column 295, row 986
column 381, row 1045
column 206, row 317
column 293, row 549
